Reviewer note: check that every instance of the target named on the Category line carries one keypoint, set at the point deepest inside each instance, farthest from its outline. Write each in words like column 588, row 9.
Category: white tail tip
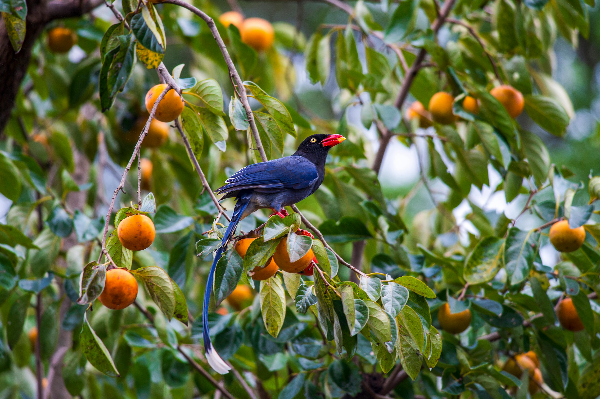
column 215, row 361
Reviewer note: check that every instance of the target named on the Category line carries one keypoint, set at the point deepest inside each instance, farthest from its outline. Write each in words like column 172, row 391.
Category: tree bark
column 13, row 67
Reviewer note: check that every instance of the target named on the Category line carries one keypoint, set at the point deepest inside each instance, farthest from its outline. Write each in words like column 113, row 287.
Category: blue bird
column 275, row 185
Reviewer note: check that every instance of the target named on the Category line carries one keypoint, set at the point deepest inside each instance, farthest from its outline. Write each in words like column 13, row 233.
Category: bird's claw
column 304, row 233
column 282, row 213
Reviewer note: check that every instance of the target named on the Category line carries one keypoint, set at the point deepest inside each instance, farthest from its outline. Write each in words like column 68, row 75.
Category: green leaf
column 275, row 108
column 160, row 288
column 10, row 179
column 372, row 286
column 409, row 320
column 92, row 282
column 8, row 276
column 15, row 27
column 209, row 93
column 588, row 385
column 341, row 333
column 410, row 355
column 148, row 204
column 485, row 261
column 547, row 113
column 13, row 236
column 298, row 246
column 110, row 39
column 346, row 376
column 393, row 297
column 541, row 298
column 486, row 306
column 244, row 55
column 42, row 259
column 49, row 327
column 96, row 353
column 347, row 229
column 73, row 371
column 361, row 316
column 504, row 19
column 227, row 275
column 146, row 31
column 272, row 304
column 122, row 65
column 122, row 256
column 59, row 222
column 167, row 220
column 367, row 180
column 537, row 155
column 519, row 254
column 277, row 227
column 304, row 297
column 292, row 282
column 312, row 57
column 36, row 286
column 17, row 315
column 214, row 126
column 192, row 127
column 293, row 388
column 403, row 21
column 268, row 127
column 535, row 4
column 378, row 322
column 237, row 115
column 87, row 229
column 421, row 307
column 259, row 253
column 416, row 285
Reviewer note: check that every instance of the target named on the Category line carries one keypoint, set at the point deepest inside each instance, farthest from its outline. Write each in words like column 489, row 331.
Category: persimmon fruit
column 61, row 40
column 440, row 108
column 471, row 105
column 417, row 111
column 511, row 99
column 258, row 273
column 533, row 357
column 239, row 297
column 567, row 315
column 169, row 108
column 136, row 232
column 158, row 132
column 120, row 289
column 32, row 334
column 231, row 18
column 282, row 258
column 454, row 323
column 257, row 33
column 146, row 166
column 566, row 239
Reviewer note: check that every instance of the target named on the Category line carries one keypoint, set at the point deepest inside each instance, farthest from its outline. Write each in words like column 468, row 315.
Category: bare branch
column 136, row 151
column 232, row 72
column 199, row 170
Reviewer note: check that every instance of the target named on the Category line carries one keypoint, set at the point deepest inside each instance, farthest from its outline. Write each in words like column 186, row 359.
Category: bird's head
column 318, row 144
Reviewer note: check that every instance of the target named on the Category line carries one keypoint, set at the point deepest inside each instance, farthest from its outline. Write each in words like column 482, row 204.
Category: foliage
column 71, row 137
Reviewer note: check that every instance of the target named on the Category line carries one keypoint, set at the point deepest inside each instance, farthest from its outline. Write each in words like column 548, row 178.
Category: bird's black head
column 316, row 147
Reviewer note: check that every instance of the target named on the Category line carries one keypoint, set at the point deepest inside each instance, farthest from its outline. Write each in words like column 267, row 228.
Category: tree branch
column 199, row 169
column 232, row 72
column 60, row 9
column 136, row 150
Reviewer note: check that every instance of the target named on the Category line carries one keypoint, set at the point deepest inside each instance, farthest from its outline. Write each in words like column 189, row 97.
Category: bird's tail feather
column 213, row 358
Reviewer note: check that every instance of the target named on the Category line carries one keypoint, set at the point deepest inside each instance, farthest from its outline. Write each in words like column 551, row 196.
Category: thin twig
column 55, row 361
column 232, row 71
column 199, row 169
column 478, row 38
column 139, row 179
column 39, row 367
column 242, row 382
column 124, row 177
column 235, row 6
column 205, row 374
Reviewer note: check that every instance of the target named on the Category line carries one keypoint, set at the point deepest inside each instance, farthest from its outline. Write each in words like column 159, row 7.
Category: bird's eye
column 313, row 140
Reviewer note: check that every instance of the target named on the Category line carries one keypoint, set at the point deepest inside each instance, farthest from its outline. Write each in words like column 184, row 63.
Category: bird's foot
column 282, row 213
column 304, row 233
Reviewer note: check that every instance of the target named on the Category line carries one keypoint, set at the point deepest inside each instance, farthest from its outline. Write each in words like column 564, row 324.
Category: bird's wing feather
column 293, row 172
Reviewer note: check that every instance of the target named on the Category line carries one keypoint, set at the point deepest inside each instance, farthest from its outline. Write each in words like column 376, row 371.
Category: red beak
column 332, row 139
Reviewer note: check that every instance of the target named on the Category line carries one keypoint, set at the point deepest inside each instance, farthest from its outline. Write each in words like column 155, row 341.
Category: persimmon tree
column 103, row 270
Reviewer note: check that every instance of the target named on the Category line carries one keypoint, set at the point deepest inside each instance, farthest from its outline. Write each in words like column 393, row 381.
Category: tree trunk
column 13, row 67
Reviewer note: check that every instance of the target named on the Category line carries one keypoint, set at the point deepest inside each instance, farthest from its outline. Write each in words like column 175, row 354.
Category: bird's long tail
column 213, row 358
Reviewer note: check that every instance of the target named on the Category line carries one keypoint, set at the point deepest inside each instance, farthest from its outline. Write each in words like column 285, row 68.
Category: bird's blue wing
column 293, row 172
